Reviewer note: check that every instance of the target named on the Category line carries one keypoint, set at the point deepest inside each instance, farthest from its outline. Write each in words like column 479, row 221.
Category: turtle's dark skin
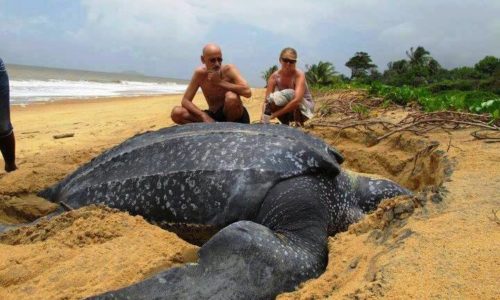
column 275, row 192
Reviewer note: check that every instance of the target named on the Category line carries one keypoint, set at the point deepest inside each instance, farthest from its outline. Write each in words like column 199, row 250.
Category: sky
column 165, row 37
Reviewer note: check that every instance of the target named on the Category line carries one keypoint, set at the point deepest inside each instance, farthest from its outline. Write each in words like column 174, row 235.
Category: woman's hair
column 288, row 49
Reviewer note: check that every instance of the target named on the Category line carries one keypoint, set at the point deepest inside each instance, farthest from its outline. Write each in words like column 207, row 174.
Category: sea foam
column 27, row 91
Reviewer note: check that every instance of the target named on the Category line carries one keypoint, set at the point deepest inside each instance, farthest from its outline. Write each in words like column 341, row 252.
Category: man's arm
column 240, row 86
column 187, row 99
column 300, row 85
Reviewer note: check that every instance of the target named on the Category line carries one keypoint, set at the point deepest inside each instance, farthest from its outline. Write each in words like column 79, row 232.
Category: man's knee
column 177, row 114
column 232, row 96
column 232, row 101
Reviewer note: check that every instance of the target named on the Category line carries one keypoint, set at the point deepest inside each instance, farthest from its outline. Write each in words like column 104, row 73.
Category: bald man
column 222, row 86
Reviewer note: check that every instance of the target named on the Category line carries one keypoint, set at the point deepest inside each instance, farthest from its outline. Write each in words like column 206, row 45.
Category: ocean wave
column 26, row 91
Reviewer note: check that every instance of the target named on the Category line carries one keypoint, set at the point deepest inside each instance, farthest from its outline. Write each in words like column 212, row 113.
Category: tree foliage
column 417, row 69
column 420, row 69
column 267, row 73
column 419, row 56
column 322, row 73
column 359, row 64
column 488, row 65
column 399, row 66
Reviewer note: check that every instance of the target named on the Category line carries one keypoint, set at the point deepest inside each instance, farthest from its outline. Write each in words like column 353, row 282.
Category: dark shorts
column 220, row 117
column 5, row 125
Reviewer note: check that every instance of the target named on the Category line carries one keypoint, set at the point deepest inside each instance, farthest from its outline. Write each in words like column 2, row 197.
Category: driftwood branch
column 350, row 125
column 63, row 135
column 417, row 122
column 413, row 124
column 483, row 135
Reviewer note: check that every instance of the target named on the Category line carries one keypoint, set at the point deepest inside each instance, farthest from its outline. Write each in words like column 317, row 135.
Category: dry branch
column 428, row 121
column 64, row 135
column 416, row 122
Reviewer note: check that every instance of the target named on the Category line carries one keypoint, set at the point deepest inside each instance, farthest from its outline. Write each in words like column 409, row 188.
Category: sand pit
column 58, row 259
column 442, row 243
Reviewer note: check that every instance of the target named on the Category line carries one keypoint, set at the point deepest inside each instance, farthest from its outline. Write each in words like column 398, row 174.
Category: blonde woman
column 287, row 96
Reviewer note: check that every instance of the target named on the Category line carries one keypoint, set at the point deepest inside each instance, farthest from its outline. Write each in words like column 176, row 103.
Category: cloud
column 146, row 22
column 189, row 22
column 404, row 30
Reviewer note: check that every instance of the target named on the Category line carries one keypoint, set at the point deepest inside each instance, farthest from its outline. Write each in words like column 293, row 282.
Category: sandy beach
column 443, row 244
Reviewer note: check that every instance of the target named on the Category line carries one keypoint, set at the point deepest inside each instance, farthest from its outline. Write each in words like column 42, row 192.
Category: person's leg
column 7, row 140
column 180, row 116
column 245, row 118
column 233, row 107
column 8, row 149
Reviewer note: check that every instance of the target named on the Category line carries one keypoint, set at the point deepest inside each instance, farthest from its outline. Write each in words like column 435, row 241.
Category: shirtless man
column 222, row 86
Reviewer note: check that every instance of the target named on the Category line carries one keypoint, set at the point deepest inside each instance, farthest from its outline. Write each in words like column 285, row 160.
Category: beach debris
column 419, row 123
column 63, row 135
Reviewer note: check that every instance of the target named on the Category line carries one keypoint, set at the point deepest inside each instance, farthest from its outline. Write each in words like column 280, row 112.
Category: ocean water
column 30, row 84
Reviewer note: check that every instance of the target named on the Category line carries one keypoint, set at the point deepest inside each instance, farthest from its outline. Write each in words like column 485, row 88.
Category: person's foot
column 10, row 167
column 8, row 149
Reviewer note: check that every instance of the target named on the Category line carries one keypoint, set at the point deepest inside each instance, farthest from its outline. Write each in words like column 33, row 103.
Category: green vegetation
column 417, row 78
column 321, row 74
column 267, row 73
column 359, row 64
column 471, row 101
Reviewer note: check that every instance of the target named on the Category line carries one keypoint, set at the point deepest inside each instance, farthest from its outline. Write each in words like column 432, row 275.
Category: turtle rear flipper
column 247, row 260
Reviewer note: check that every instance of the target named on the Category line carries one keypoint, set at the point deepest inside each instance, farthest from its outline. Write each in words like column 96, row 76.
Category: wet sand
column 444, row 245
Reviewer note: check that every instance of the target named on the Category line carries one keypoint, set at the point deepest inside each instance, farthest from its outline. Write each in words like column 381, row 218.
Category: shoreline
column 82, row 99
column 257, row 93
column 92, row 100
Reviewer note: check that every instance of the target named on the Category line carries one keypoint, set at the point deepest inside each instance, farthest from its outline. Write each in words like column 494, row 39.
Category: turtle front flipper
column 369, row 190
column 247, row 260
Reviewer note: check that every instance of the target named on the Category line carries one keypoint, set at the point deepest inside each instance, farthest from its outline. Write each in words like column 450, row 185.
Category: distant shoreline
column 15, row 70
column 40, row 84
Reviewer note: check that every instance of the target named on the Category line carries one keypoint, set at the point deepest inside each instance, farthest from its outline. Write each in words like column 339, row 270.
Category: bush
column 449, row 85
column 492, row 85
column 400, row 95
column 491, row 106
column 476, row 98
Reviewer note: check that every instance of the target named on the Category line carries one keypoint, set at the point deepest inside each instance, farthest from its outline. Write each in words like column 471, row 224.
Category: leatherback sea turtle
column 275, row 192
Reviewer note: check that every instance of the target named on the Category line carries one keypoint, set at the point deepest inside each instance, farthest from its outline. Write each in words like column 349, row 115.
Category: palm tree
column 320, row 74
column 399, row 66
column 419, row 57
column 433, row 66
column 267, row 73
